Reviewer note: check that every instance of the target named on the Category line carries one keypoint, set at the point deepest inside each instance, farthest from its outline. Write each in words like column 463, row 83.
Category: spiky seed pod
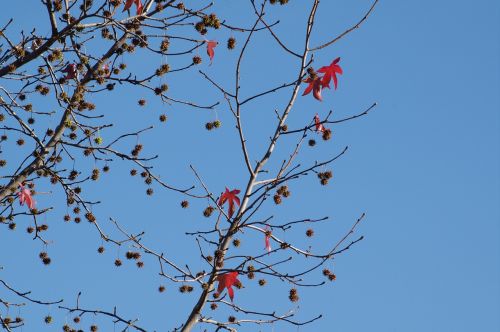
column 328, row 174
column 262, row 282
column 324, row 182
column 208, row 211
column 286, row 194
column 231, row 43
column 118, row 262
column 3, row 163
column 95, row 174
column 165, row 44
column 196, row 60
column 161, row 289
column 332, row 277
column 94, row 328
column 326, row 272
column 163, row 118
column 213, row 306
column 139, row 264
column 100, row 249
column 142, row 102
column 199, row 26
column 133, row 172
column 284, row 128
column 105, row 169
column 231, row 319
column 236, row 242
column 48, row 319
column 76, row 320
column 67, row 217
column 310, row 232
column 184, row 204
column 12, row 226
column 293, row 295
column 77, row 220
column 165, row 68
column 217, row 124
column 90, row 217
column 46, row 260
column 251, row 275
column 277, row 199
column 30, row 229
column 183, row 288
column 144, row 174
column 282, row 190
column 209, row 126
column 284, row 245
column 327, row 134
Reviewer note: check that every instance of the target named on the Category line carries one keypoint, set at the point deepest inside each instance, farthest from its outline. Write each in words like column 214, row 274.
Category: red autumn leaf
column 330, row 72
column 314, row 86
column 24, row 195
column 227, row 280
column 211, row 44
column 137, row 3
column 230, row 197
column 71, row 71
column 319, row 125
column 267, row 239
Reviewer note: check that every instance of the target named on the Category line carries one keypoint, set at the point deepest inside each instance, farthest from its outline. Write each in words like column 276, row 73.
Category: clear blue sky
column 424, row 166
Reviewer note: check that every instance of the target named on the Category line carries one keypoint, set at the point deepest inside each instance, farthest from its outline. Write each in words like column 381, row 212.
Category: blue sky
column 424, row 166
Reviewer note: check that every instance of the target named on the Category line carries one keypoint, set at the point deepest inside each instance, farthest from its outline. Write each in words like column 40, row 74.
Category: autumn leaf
column 319, row 125
column 330, row 72
column 314, row 86
column 230, row 197
column 211, row 44
column 227, row 280
column 71, row 71
column 267, row 239
column 137, row 3
column 24, row 195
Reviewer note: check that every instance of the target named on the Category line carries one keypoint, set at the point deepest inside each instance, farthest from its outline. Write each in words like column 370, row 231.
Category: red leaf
column 71, row 71
column 137, row 3
column 330, row 72
column 319, row 125
column 231, row 198
column 314, row 86
column 211, row 44
column 128, row 4
column 227, row 280
column 267, row 239
column 24, row 195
